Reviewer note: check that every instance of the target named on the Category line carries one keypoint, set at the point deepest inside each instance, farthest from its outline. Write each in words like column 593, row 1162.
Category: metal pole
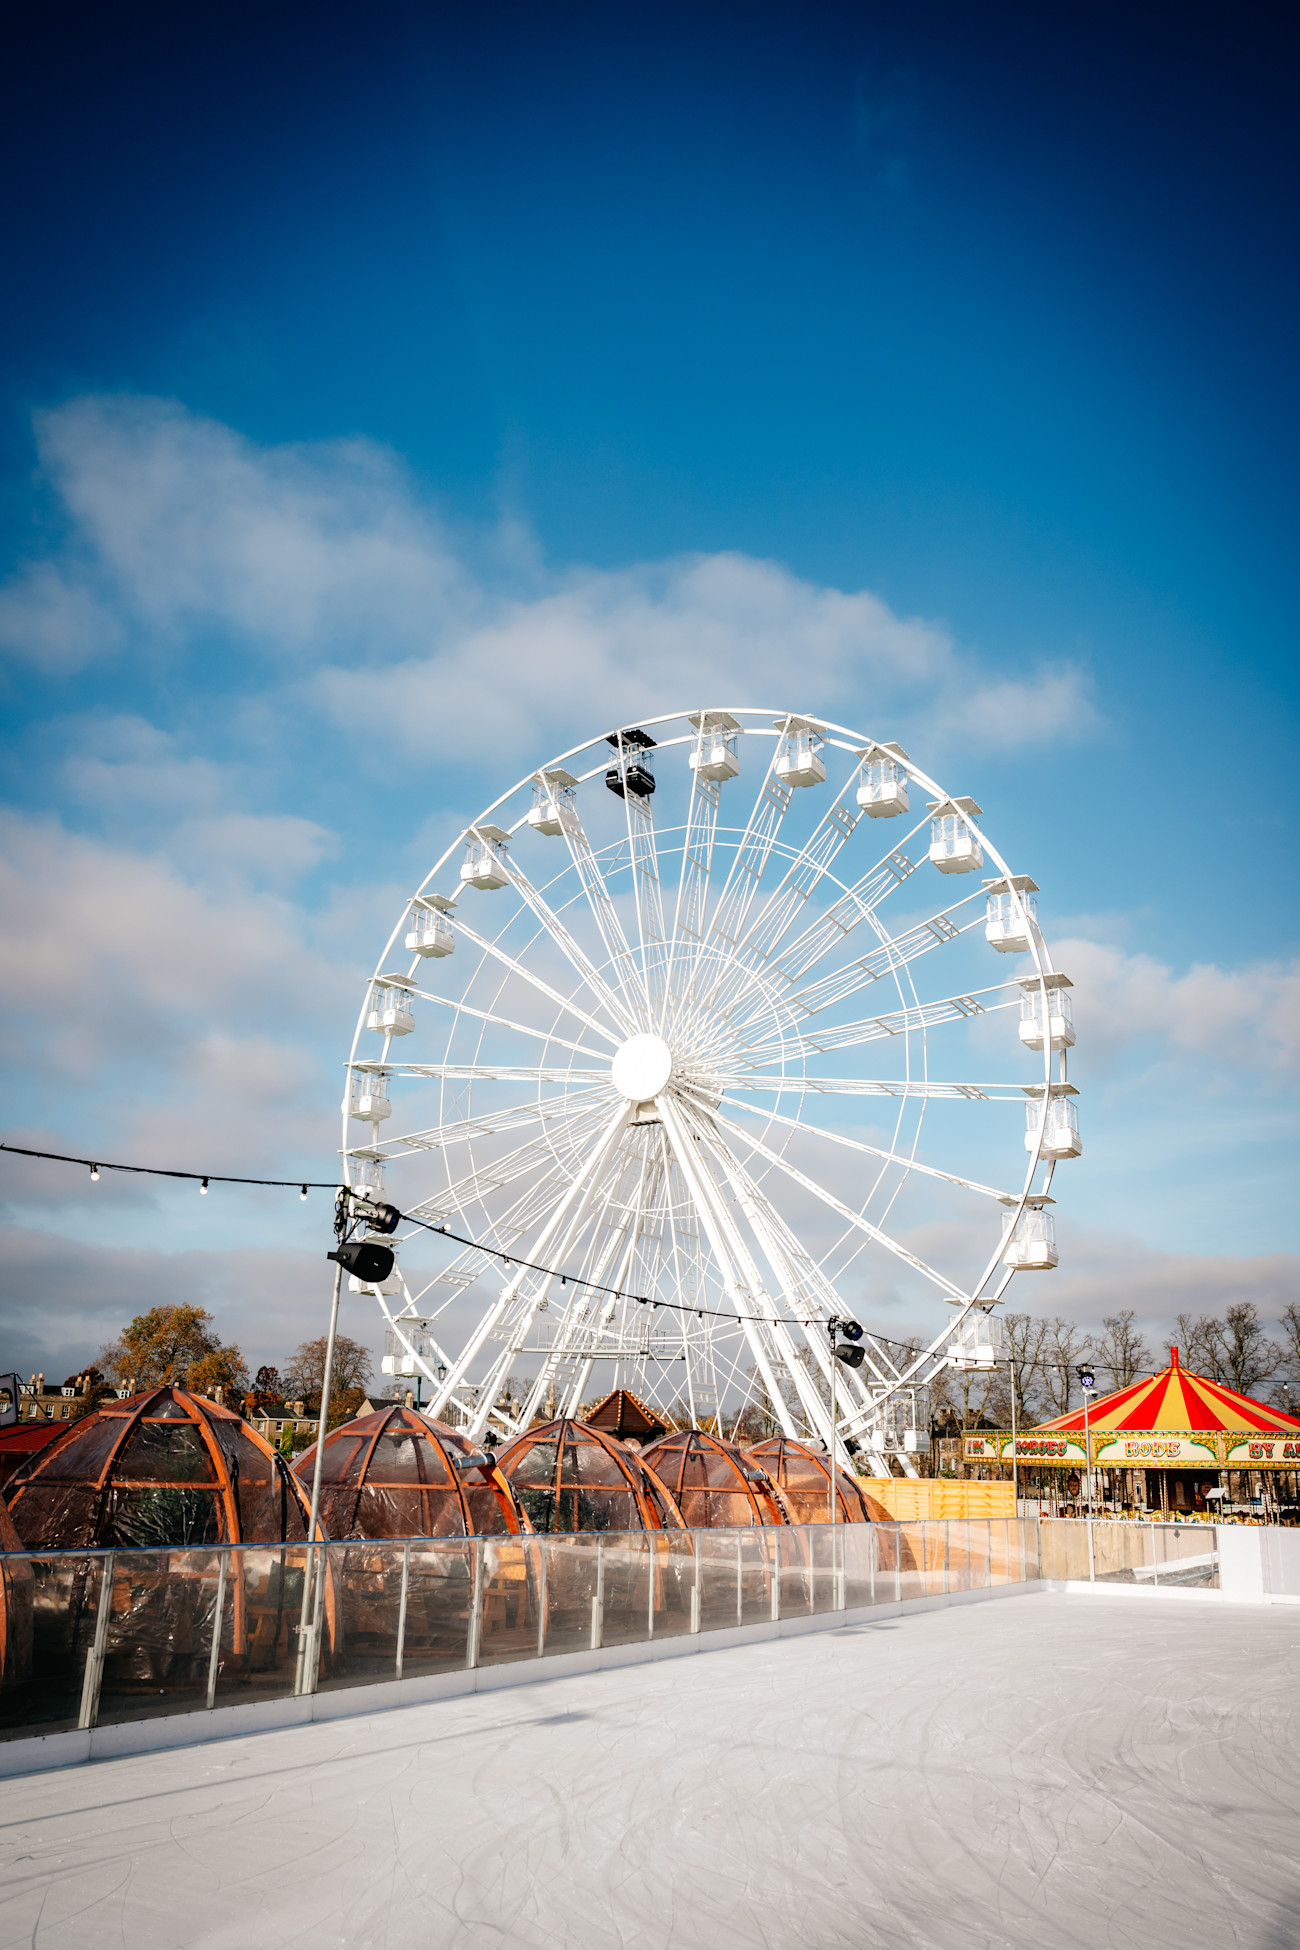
column 475, row 1607
column 1087, row 1463
column 1015, row 1465
column 306, row 1668
column 401, row 1608
column 95, row 1656
column 218, row 1608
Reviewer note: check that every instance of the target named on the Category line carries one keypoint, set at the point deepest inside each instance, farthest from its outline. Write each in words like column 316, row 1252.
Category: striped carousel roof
column 1175, row 1399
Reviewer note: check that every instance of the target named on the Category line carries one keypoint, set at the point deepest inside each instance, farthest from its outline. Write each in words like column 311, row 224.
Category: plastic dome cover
column 163, row 1468
column 802, row 1474
column 398, row 1473
column 17, row 1594
column 570, row 1477
column 714, row 1484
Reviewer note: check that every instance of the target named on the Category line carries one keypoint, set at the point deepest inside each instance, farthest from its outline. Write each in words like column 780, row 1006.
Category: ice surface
column 1044, row 1771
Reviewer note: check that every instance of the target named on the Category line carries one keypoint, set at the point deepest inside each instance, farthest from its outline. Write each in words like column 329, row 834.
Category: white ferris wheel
column 697, row 1035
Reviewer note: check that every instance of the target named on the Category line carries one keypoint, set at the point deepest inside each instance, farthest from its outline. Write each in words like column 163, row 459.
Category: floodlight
column 366, row 1262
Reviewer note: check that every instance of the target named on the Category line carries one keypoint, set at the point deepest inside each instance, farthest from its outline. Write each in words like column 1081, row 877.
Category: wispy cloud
column 326, row 566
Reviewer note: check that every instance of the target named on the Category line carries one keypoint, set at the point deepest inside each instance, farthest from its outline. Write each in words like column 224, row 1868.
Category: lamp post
column 1088, row 1381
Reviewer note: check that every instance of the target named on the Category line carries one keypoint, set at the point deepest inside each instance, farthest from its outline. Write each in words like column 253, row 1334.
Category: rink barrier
column 101, row 1645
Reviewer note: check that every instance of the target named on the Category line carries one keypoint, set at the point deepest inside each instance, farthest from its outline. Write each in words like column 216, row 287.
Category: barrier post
column 95, row 1656
column 218, row 1609
column 401, row 1608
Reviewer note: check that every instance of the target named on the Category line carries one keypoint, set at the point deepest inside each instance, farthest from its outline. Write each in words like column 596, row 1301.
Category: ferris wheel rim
column 843, row 738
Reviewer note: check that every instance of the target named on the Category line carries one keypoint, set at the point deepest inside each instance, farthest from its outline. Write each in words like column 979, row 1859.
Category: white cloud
column 1050, row 708
column 110, row 954
column 1236, row 1018
column 325, row 554
column 613, row 644
column 50, row 618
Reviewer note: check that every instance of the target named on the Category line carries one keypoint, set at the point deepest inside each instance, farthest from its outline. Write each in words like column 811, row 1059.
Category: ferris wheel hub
column 642, row 1067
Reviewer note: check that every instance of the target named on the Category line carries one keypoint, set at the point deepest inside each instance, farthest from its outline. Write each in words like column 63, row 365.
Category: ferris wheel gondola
column 628, row 1064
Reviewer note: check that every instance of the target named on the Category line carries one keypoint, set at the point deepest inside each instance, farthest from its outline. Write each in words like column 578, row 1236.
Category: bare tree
column 1122, row 1348
column 1235, row 1351
column 1250, row 1358
column 1286, row 1389
column 1066, row 1348
column 1026, row 1342
column 1200, row 1340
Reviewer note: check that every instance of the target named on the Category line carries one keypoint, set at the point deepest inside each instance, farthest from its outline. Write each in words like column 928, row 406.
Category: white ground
column 1044, row 1771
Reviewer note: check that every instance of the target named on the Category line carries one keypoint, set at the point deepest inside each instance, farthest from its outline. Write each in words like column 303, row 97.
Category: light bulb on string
column 94, row 1174
column 303, row 1193
column 203, row 1188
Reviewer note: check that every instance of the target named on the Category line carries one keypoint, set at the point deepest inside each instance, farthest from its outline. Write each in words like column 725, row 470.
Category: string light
column 494, row 1252
column 203, row 1188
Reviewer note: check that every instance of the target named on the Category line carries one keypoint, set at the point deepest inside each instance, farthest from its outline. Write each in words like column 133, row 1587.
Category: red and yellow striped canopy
column 1175, row 1399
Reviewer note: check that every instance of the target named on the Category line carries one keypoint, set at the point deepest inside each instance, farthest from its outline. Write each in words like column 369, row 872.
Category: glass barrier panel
column 158, row 1646
column 625, row 1586
column 673, row 1558
column 571, row 1574
column 855, row 1542
column 364, row 1584
column 965, row 1567
column 889, row 1569
column 911, row 1560
column 262, row 1604
column 511, row 1600
column 934, row 1559
column 995, row 1548
column 55, row 1602
column 1190, row 1555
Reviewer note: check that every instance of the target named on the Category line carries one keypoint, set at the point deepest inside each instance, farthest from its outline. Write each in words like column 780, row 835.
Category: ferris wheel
column 707, row 1032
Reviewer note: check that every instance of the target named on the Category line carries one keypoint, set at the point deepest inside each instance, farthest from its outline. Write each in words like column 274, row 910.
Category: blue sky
column 390, row 400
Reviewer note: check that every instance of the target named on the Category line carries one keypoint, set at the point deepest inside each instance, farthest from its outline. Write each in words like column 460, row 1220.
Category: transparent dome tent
column 160, row 1468
column 398, row 1473
column 712, row 1482
column 802, row 1475
column 570, row 1478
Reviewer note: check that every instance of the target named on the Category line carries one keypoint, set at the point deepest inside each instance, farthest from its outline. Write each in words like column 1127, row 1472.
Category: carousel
column 1172, row 1444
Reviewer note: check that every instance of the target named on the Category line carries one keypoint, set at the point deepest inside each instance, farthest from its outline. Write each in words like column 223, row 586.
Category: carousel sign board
column 1143, row 1450
column 1263, row 1451
column 1064, row 1450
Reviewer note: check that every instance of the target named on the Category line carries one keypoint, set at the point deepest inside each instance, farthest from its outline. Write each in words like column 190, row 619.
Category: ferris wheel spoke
column 608, row 926
column 504, row 1022
column 498, row 1073
column 474, row 1187
column 556, row 1241
column 614, row 1001
column 897, row 1022
column 575, row 1200
column 638, row 811
column 775, row 1332
column 740, row 886
column 443, row 1137
column 895, row 953
column 872, row 1087
column 857, row 904
column 875, row 1151
column 693, row 884
column 846, row 1212
column 614, row 1036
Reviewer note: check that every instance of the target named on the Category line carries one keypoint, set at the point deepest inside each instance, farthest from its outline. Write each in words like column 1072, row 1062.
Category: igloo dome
column 398, row 1473
column 163, row 1468
column 713, row 1483
column 802, row 1475
column 571, row 1477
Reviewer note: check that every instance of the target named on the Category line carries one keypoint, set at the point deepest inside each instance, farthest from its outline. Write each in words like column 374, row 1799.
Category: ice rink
column 1042, row 1771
